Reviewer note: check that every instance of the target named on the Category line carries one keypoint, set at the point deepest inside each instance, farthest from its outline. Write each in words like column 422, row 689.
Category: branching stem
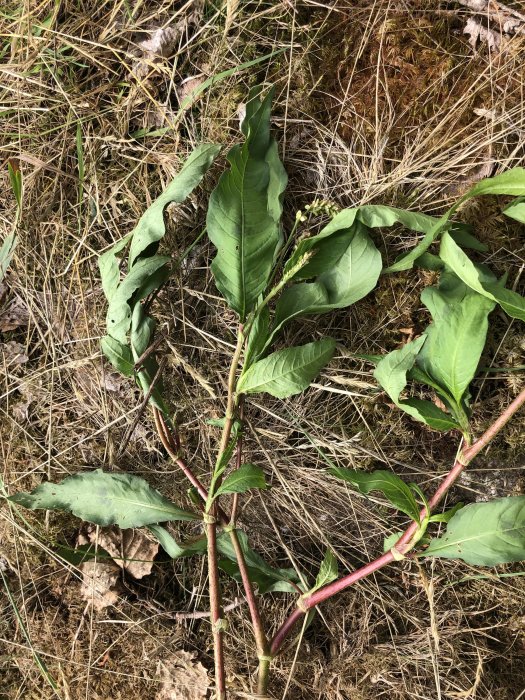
column 405, row 543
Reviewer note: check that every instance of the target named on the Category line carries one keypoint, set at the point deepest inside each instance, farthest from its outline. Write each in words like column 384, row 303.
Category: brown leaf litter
column 132, row 551
column 182, row 677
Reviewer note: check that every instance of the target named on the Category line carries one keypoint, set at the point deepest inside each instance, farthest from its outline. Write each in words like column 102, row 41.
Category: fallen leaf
column 13, row 316
column 478, row 32
column 13, row 353
column 100, row 583
column 182, row 678
column 132, row 550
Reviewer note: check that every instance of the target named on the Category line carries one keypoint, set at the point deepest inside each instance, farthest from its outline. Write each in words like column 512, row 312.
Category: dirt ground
column 376, row 101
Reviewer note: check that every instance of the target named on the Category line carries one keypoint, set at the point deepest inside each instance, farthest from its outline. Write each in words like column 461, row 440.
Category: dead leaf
column 187, row 88
column 13, row 353
column 100, row 583
column 132, row 550
column 163, row 41
column 478, row 32
column 13, row 316
column 182, row 677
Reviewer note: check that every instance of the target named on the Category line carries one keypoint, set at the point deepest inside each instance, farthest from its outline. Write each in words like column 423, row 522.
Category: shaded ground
column 376, row 102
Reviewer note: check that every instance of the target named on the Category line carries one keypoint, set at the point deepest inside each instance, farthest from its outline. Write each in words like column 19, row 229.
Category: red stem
column 404, row 544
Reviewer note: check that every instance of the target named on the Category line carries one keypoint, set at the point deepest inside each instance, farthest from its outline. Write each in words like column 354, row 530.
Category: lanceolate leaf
column 244, row 211
column 247, row 477
column 509, row 182
column 118, row 354
column 287, row 372
column 456, row 338
column 258, row 337
column 484, row 534
column 391, row 372
column 267, row 578
column 105, row 499
column 346, row 267
column 135, row 284
column 480, row 280
column 150, row 228
column 175, row 550
column 393, row 488
column 328, row 571
column 516, row 209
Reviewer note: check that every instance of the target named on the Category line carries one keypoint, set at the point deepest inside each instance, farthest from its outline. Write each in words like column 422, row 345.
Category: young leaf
column 446, row 516
column 287, row 372
column 247, row 477
column 172, row 548
column 328, row 571
column 480, row 280
column 244, row 211
column 456, row 338
column 268, row 579
column 516, row 209
column 258, row 338
column 346, row 268
column 118, row 354
column 6, row 253
column 105, row 499
column 484, row 534
column 393, row 488
column 391, row 541
column 509, row 182
column 391, row 373
column 151, row 228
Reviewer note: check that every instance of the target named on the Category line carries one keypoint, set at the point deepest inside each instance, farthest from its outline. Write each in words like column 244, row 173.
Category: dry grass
column 377, row 101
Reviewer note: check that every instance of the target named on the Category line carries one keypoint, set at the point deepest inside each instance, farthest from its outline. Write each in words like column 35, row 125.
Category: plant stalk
column 405, row 543
column 218, row 624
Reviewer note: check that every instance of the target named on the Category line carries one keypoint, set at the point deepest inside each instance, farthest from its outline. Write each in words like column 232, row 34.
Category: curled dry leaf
column 132, row 550
column 182, row 677
column 100, row 583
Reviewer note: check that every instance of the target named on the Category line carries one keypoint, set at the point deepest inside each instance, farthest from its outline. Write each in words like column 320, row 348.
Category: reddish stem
column 404, row 544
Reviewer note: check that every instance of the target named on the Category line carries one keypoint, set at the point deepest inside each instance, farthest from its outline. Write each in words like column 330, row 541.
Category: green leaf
column 247, row 477
column 142, row 329
column 509, row 182
column 446, row 516
column 456, row 338
column 175, row 550
column 346, row 267
column 516, row 209
column 244, row 211
column 109, row 266
column 391, row 374
column 328, row 571
column 391, row 541
column 484, row 534
column 151, row 228
column 258, row 337
column 105, row 499
column 15, row 180
column 480, row 280
column 287, row 372
column 268, row 579
column 393, row 488
column 6, row 253
column 118, row 354
column 136, row 284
